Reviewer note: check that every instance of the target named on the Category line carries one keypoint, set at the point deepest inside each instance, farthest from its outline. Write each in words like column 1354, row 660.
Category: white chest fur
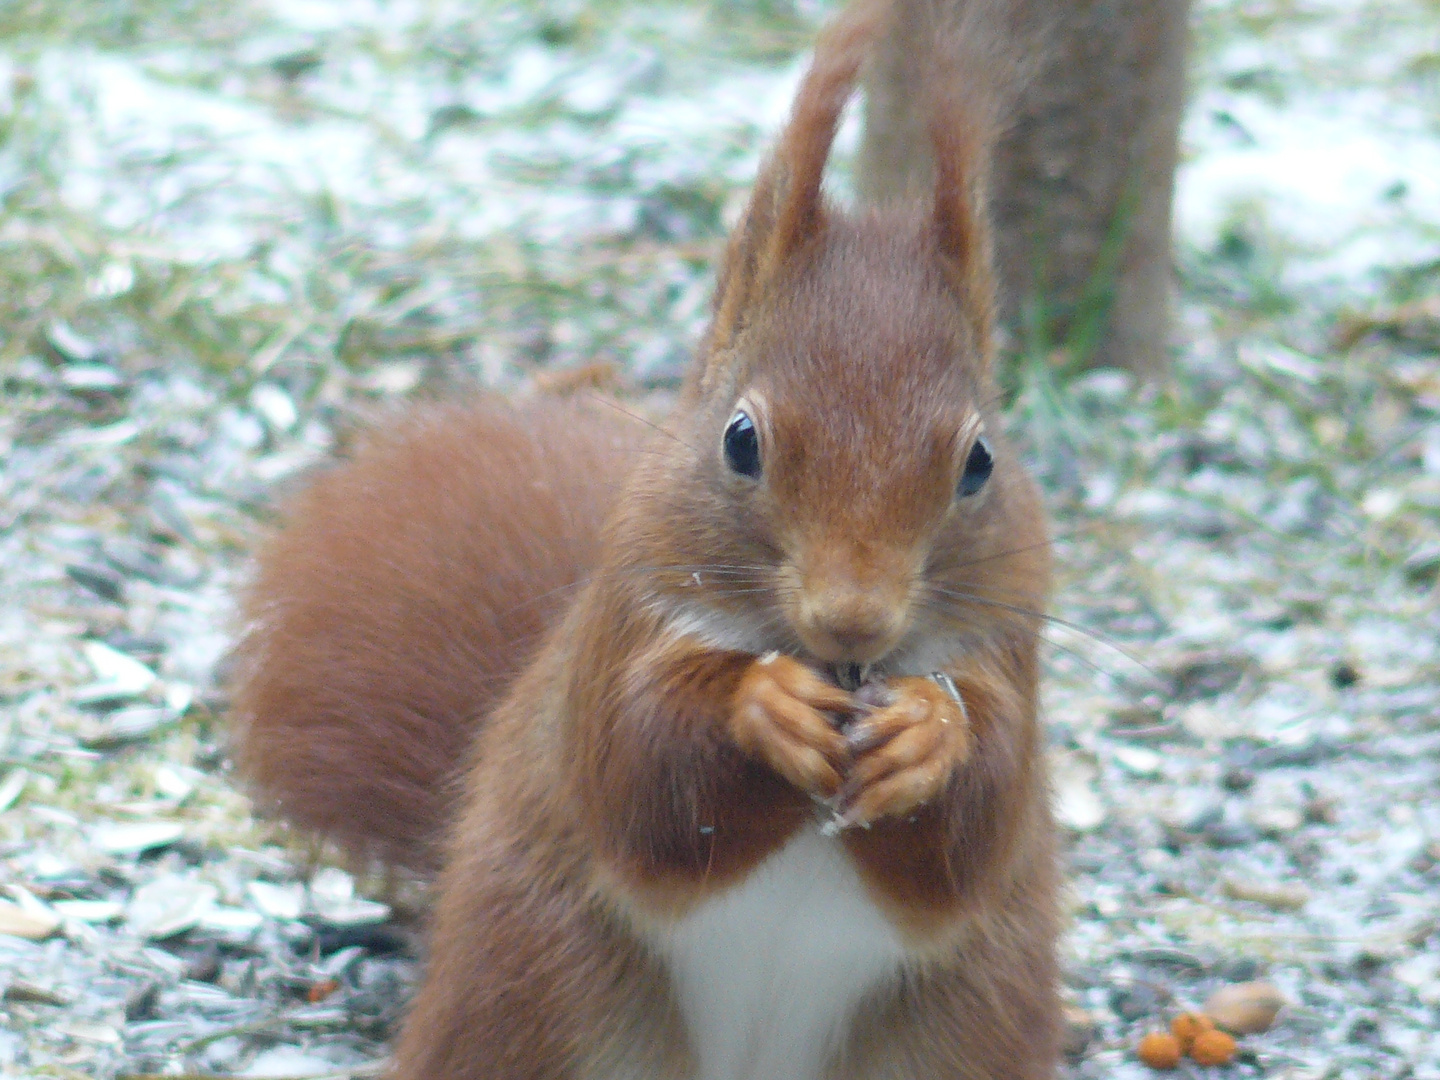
column 769, row 972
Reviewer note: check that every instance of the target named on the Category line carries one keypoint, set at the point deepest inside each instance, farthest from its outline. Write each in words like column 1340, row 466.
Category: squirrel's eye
column 742, row 445
column 978, row 467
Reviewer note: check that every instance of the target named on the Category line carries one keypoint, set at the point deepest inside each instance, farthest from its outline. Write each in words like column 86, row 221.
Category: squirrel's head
column 838, row 485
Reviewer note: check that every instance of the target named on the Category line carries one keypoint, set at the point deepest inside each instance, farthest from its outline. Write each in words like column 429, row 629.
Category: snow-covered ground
column 226, row 234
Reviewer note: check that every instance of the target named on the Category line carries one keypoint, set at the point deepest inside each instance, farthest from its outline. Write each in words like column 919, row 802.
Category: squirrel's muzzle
column 852, row 606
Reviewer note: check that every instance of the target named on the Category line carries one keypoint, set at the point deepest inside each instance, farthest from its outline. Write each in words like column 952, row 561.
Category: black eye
column 742, row 446
column 978, row 467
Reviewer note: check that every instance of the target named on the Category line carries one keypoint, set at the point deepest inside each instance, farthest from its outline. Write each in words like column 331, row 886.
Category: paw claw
column 905, row 753
column 783, row 713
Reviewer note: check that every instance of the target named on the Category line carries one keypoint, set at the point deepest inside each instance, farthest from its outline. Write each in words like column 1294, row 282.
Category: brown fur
column 677, row 726
column 408, row 587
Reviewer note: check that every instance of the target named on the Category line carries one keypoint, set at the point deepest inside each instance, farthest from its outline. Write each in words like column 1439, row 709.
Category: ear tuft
column 786, row 208
column 962, row 136
column 981, row 56
column 973, row 74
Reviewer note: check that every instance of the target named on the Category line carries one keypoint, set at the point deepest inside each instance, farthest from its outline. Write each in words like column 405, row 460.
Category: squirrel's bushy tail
column 408, row 586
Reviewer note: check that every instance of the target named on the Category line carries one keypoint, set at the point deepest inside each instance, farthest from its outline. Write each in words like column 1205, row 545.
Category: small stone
column 12, row 787
column 277, row 901
column 1207, row 723
column 101, row 695
column 170, row 518
column 1274, row 895
column 89, row 911
column 341, row 961
column 331, row 885
column 296, row 63
column 332, row 897
column 1160, row 1050
column 224, row 1056
column 137, row 561
column 1139, row 761
column 1427, row 858
column 1207, row 673
column 1237, row 778
column 1217, row 824
column 168, row 905
column 1422, row 567
column 1131, row 1001
column 50, row 866
column 1381, row 503
column 1422, row 975
column 205, row 964
column 178, row 697
column 176, row 782
column 230, row 920
column 22, row 922
column 1226, row 833
column 1245, row 1008
column 103, row 1034
column 1077, row 804
column 20, row 990
column 69, row 345
column 357, row 912
column 1307, row 607
column 117, row 434
column 140, row 1002
column 1136, row 716
column 1275, row 820
column 1322, row 809
column 1365, row 1030
column 124, row 673
column 100, row 580
column 1344, row 675
column 125, row 726
column 275, row 405
column 91, row 379
column 397, row 377
column 288, row 1061
column 133, row 838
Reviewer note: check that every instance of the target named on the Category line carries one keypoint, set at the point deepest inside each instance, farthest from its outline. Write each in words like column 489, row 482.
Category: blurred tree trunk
column 1083, row 178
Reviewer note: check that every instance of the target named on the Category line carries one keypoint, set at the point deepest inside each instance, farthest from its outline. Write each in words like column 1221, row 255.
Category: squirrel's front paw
column 905, row 750
column 778, row 714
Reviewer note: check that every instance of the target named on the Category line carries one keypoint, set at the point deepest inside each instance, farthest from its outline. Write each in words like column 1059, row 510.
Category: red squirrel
column 763, row 796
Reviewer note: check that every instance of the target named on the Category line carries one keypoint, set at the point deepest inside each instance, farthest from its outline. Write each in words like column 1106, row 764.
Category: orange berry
column 1187, row 1026
column 319, row 991
column 1213, row 1048
column 1160, row 1050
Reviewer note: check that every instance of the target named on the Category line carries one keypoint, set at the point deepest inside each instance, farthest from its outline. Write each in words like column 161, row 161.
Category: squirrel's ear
column 963, row 123
column 978, row 60
column 786, row 209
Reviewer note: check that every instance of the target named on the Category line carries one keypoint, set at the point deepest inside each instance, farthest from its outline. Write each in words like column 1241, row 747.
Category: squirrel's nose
column 851, row 601
column 849, row 625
